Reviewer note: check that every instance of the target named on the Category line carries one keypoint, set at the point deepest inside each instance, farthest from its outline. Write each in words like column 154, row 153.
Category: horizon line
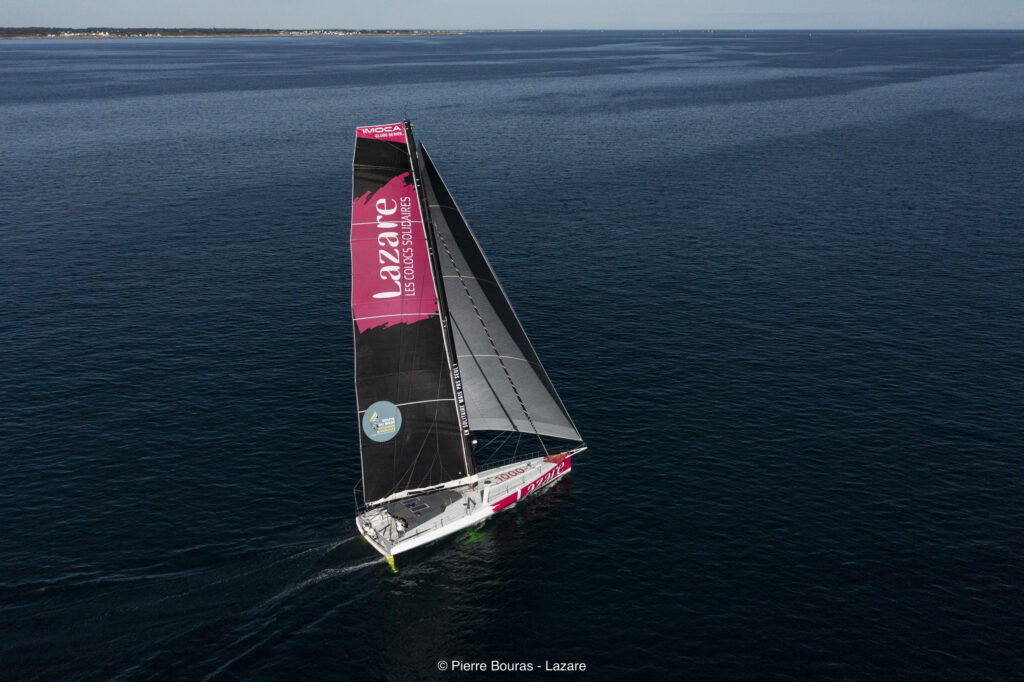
column 514, row 30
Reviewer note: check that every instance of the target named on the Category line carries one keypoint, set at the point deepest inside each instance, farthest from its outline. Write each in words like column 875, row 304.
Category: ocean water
column 777, row 278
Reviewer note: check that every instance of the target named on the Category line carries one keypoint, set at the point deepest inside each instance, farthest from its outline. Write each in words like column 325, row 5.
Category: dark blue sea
column 777, row 278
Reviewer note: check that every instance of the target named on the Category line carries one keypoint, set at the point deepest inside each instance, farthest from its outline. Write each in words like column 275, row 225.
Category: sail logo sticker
column 381, row 421
column 391, row 131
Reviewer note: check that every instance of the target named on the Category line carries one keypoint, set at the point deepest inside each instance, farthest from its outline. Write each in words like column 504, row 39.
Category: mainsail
column 504, row 382
column 411, row 434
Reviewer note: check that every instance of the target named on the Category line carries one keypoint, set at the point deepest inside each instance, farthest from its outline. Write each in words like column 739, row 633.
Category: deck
column 437, row 514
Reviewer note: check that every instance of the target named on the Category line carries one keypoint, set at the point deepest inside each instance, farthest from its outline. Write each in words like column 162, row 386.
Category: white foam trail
column 325, row 574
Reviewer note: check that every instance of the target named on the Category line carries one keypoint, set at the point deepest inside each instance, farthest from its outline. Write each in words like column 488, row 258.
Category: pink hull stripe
column 564, row 466
column 498, row 506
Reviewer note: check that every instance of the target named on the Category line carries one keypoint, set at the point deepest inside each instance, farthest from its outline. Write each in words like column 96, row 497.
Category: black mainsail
column 411, row 434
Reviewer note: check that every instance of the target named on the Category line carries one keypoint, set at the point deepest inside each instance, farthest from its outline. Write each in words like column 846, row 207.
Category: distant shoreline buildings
column 101, row 33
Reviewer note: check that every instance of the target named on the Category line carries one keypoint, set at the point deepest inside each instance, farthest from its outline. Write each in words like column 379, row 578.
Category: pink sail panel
column 392, row 282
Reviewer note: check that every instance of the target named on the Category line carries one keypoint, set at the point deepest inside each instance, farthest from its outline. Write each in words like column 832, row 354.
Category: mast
column 442, row 304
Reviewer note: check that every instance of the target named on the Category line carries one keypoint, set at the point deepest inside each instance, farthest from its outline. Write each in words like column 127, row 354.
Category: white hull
column 464, row 506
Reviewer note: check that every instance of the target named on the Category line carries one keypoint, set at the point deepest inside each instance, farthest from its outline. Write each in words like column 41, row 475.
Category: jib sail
column 504, row 382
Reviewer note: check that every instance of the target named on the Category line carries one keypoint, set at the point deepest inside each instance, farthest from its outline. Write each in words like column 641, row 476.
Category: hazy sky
column 487, row 14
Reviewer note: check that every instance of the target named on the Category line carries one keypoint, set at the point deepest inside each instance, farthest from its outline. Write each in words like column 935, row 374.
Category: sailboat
column 445, row 375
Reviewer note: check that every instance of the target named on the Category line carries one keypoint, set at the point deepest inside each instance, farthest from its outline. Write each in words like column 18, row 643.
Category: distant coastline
column 101, row 33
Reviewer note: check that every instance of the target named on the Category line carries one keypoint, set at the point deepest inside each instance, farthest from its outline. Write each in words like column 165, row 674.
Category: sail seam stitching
column 484, row 355
column 417, row 402
column 374, row 317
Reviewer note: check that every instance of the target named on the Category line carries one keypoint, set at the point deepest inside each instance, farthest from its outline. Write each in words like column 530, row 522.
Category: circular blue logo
column 381, row 421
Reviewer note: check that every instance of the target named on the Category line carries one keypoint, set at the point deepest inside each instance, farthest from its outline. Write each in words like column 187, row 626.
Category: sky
column 520, row 14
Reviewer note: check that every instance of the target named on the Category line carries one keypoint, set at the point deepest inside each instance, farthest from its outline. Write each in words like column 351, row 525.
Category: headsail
column 505, row 385
column 410, row 432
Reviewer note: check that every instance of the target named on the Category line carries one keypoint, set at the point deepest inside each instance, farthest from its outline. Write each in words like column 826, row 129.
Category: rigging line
column 417, row 332
column 396, row 448
column 407, row 474
column 483, row 374
column 498, row 449
column 494, row 346
column 417, row 402
column 504, row 435
column 448, row 340
column 508, row 436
